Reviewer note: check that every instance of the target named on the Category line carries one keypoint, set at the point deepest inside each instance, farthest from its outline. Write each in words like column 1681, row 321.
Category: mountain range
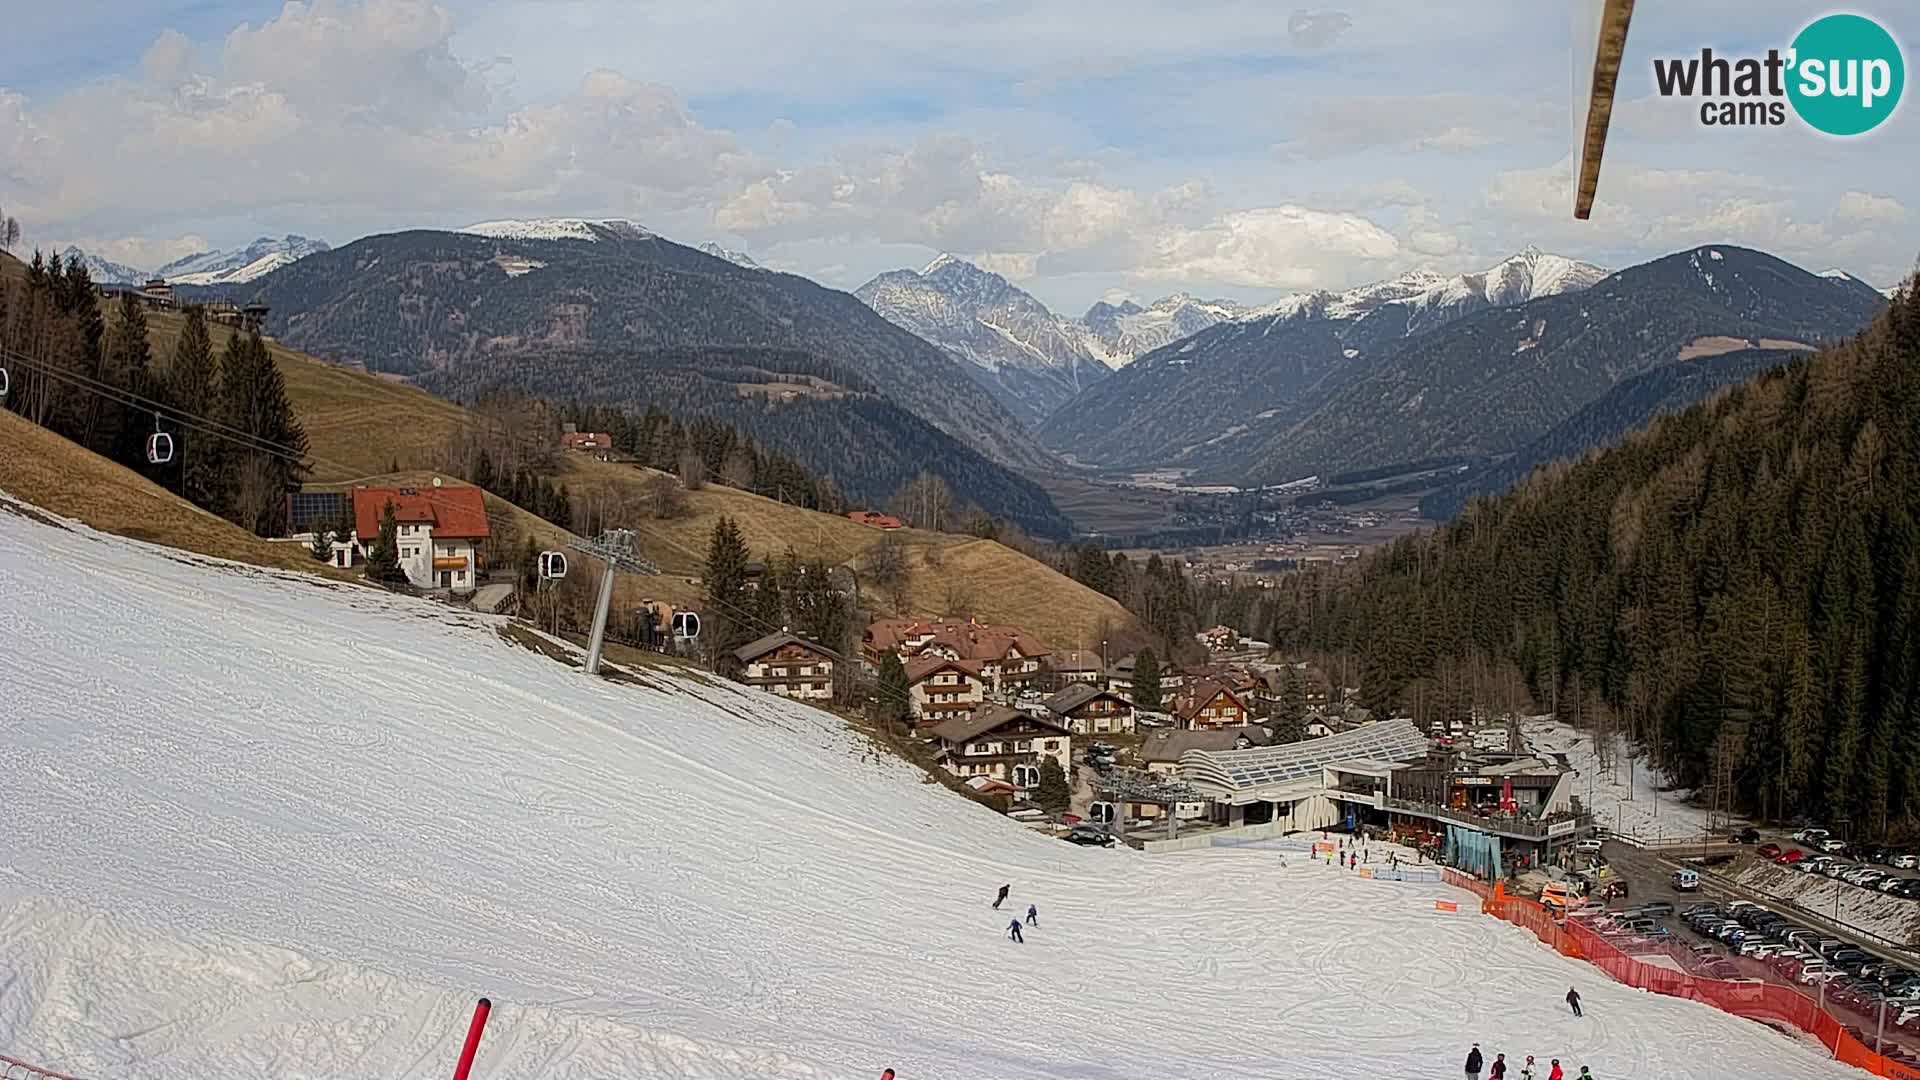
column 1195, row 402
column 234, row 267
column 494, row 301
column 1427, row 366
column 1027, row 357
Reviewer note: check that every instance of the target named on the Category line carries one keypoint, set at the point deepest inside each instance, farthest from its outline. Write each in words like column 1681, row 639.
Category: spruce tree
column 255, row 402
column 1053, row 794
column 321, row 546
column 120, row 431
column 1290, row 710
column 383, row 558
column 724, row 580
column 1146, row 681
column 770, row 600
column 192, row 387
column 892, row 691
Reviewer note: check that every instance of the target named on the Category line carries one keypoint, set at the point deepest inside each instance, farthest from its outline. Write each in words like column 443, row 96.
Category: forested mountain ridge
column 419, row 301
column 1491, row 382
column 1738, row 585
column 1629, row 406
column 817, row 413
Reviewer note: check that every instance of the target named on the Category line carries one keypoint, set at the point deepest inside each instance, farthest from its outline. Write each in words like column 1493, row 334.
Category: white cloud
column 1276, row 247
column 1332, row 126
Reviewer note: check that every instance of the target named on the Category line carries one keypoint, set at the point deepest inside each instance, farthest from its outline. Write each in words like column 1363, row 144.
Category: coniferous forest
column 83, row 367
column 1737, row 586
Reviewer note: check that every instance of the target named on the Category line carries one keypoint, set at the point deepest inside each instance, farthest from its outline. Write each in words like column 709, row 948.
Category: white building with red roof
column 438, row 532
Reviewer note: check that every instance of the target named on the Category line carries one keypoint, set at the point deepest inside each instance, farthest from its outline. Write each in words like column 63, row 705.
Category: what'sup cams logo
column 1842, row 76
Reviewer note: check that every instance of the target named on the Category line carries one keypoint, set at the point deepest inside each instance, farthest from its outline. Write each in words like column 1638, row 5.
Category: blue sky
column 1084, row 149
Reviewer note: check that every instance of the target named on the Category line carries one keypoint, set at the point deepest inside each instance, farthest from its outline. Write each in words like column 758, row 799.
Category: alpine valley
column 1031, row 359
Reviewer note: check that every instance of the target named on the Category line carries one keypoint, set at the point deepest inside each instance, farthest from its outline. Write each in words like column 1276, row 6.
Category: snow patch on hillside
column 557, row 229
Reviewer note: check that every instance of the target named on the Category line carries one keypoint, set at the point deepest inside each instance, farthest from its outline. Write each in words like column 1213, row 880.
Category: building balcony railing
column 1521, row 825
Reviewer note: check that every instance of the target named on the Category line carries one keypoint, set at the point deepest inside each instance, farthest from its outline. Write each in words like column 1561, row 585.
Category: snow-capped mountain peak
column 737, row 258
column 1530, row 274
column 256, row 260
column 104, row 271
column 587, row 229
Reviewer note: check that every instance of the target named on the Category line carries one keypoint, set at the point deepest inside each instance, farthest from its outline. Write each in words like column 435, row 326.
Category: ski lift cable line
column 189, row 420
column 132, row 400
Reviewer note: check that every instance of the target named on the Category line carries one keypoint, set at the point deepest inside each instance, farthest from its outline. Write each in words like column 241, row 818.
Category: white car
column 1811, row 836
column 1586, row 846
column 1830, row 845
column 1904, row 862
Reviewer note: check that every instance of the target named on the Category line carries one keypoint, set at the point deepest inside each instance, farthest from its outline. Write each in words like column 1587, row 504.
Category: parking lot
column 1732, row 934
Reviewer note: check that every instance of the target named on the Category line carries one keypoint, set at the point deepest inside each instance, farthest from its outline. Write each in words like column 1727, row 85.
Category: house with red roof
column 939, row 688
column 438, row 531
column 1009, row 658
column 874, row 519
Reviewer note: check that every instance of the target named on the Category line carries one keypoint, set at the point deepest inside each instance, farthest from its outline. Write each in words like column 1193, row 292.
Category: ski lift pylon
column 553, row 565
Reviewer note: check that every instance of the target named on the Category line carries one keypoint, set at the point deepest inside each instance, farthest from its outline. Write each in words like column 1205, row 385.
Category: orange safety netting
column 1755, row 999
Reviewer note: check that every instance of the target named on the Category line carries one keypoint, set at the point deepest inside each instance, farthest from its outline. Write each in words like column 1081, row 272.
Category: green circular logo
column 1847, row 74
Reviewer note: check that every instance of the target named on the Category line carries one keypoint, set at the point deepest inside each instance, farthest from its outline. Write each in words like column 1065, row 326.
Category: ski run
column 257, row 825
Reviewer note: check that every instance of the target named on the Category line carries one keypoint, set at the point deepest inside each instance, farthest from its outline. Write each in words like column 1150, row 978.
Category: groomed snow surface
column 260, row 827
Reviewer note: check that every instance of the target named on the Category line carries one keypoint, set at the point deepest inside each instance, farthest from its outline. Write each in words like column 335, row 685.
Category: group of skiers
column 1529, row 1071
column 1014, row 928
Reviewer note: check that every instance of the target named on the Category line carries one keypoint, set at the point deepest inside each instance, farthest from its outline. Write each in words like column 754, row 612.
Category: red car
column 1792, row 855
column 1768, row 851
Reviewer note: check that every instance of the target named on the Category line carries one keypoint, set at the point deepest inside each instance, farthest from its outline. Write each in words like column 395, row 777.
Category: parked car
column 1792, row 856
column 1910, row 888
column 1906, row 860
column 1831, row 845
column 1587, row 847
column 1876, row 853
column 1090, row 836
column 1768, row 851
column 1686, row 881
column 1614, row 889
column 1748, row 835
column 1659, row 909
column 1815, row 864
column 1811, row 836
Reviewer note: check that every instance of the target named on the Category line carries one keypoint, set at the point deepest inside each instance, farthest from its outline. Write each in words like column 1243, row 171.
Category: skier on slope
column 1013, row 931
column 1584, row 1074
column 1473, row 1062
column 1555, row 1073
column 1573, row 1000
column 1526, row 1071
column 1002, row 898
column 1033, row 915
column 1499, row 1070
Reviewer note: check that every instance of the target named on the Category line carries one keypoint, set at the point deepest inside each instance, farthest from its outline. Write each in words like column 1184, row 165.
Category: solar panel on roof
column 1395, row 740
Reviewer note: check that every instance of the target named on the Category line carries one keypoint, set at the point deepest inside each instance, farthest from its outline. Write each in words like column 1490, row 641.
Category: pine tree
column 725, row 581
column 1053, row 794
column 192, row 387
column 1290, row 710
column 483, row 470
column 1146, row 681
column 321, row 546
column 383, row 558
column 891, row 694
column 120, row 431
column 770, row 600
column 255, row 401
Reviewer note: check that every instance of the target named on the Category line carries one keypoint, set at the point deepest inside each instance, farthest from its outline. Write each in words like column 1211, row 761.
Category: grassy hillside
column 359, row 425
column 52, row 472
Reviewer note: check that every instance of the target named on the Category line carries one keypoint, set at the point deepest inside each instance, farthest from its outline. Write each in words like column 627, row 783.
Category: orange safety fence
column 1755, row 999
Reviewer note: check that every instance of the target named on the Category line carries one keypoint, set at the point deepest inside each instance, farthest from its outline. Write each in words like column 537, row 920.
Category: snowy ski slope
column 254, row 826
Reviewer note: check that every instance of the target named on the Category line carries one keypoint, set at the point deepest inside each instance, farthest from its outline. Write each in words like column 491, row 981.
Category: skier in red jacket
column 1555, row 1073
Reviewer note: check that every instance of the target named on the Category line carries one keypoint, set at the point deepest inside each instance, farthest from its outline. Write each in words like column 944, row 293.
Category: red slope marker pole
column 479, row 1024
